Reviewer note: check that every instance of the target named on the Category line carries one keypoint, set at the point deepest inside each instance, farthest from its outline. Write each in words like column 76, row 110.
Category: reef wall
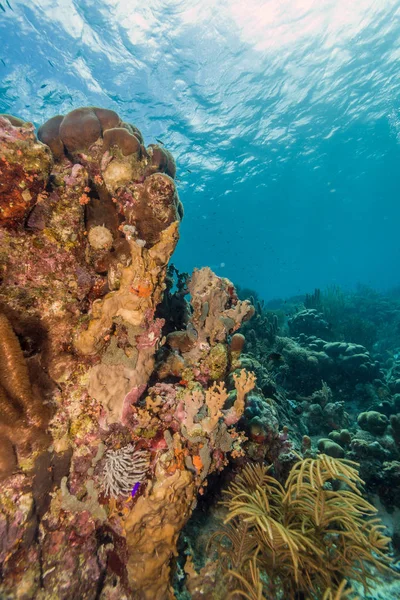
column 113, row 394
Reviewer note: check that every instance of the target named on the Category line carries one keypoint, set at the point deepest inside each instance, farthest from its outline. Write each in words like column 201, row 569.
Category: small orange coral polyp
column 197, row 462
column 84, row 199
column 143, row 290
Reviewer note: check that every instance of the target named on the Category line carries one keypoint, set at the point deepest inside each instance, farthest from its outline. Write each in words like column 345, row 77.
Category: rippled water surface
column 283, row 115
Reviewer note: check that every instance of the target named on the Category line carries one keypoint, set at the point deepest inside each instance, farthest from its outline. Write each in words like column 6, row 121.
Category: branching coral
column 216, row 312
column 216, row 308
column 310, row 535
column 216, row 397
column 252, row 588
column 193, row 402
column 341, row 593
column 244, row 383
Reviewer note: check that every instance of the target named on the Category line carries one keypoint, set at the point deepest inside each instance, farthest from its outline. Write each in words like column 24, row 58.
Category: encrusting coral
column 25, row 166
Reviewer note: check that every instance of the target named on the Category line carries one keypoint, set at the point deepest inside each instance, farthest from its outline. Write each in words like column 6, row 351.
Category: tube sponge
column 22, row 414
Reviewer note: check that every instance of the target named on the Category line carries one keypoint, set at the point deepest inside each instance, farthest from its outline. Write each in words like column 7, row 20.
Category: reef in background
column 328, row 388
column 113, row 415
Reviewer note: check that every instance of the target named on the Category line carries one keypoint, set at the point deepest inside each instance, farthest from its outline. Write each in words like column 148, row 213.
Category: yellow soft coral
column 305, row 538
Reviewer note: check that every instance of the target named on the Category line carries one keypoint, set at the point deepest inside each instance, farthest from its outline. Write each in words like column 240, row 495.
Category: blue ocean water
column 283, row 116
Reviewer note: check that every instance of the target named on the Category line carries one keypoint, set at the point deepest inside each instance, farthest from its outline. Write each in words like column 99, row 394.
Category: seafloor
column 169, row 436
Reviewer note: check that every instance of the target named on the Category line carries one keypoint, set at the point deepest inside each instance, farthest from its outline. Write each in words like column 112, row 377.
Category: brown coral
column 81, row 128
column 161, row 160
column 123, row 175
column 78, row 130
column 152, row 533
column 49, row 134
column 23, row 416
column 123, row 139
column 153, row 208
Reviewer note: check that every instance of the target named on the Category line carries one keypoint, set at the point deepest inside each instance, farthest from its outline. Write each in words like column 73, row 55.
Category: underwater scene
column 199, row 300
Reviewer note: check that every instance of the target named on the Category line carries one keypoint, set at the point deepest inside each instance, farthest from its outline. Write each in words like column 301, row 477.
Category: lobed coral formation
column 309, row 322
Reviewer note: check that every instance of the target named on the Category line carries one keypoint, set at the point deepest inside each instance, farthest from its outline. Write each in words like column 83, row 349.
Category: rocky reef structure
column 330, row 376
column 23, row 180
column 110, row 426
column 310, row 322
column 322, row 396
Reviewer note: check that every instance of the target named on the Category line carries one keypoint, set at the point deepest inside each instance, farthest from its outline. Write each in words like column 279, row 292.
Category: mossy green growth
column 147, row 434
column 81, row 426
column 217, row 362
column 26, row 463
column 373, row 421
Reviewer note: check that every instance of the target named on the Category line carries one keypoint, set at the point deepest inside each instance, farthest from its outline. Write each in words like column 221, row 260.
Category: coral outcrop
column 309, row 322
column 126, row 387
column 114, row 410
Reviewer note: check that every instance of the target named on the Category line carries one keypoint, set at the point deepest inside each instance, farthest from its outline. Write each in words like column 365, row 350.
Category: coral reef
column 119, row 397
column 130, row 392
column 309, row 322
column 318, row 392
column 23, row 416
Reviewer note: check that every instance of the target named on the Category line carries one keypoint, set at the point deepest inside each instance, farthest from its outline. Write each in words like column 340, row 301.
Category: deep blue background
column 285, row 112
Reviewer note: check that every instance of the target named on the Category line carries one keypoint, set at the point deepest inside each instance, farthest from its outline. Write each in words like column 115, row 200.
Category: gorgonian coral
column 307, row 536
